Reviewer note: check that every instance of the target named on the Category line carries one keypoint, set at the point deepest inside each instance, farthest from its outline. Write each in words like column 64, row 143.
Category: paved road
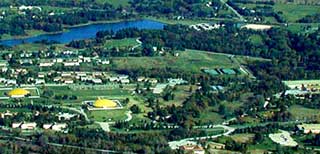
column 80, row 111
column 176, row 144
column 106, row 125
column 138, row 45
column 241, row 18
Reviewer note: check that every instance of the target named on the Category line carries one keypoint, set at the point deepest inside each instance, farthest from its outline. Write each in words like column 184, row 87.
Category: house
column 113, row 79
column 40, row 81
column 11, row 82
column 41, row 75
column 66, row 74
column 153, row 81
column 159, row 88
column 55, row 127
column 46, row 64
column 16, row 124
column 28, row 126
column 59, row 127
column 195, row 149
column 65, row 116
column 105, row 62
column 71, row 63
column 125, row 81
column 96, row 81
column 141, row 79
column 7, row 114
column 47, row 126
column 309, row 128
column 68, row 81
column 3, row 63
column 3, row 80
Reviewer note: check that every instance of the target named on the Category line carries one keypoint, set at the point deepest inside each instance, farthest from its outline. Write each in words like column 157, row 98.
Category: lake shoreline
column 83, row 31
column 66, row 28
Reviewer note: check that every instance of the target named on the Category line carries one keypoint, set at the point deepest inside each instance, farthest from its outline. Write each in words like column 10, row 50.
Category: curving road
column 176, row 144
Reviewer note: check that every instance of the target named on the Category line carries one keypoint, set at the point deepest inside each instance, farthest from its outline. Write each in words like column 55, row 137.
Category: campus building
column 309, row 128
column 18, row 93
column 104, row 103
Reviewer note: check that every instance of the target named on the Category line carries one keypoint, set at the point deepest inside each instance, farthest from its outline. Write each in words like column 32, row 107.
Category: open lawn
column 266, row 145
column 299, row 112
column 209, row 117
column 180, row 95
column 188, row 61
column 85, row 95
column 115, row 3
column 243, row 138
column 128, row 42
column 256, row 39
column 108, row 115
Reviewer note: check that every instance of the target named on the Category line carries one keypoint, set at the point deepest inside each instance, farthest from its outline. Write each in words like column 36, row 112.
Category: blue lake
column 85, row 32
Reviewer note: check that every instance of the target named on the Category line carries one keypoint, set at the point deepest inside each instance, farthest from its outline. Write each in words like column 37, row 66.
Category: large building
column 18, row 93
column 309, row 128
column 104, row 103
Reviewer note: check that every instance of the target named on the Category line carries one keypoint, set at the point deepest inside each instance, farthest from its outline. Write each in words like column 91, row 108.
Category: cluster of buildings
column 33, row 125
column 309, row 128
column 302, row 88
column 71, row 62
column 206, row 26
column 160, row 87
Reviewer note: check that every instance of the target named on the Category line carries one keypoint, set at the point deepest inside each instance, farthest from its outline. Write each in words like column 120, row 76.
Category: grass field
column 115, row 3
column 86, row 95
column 108, row 115
column 256, row 39
column 188, row 61
column 243, row 138
column 300, row 112
column 128, row 42
column 181, row 95
column 294, row 12
column 208, row 116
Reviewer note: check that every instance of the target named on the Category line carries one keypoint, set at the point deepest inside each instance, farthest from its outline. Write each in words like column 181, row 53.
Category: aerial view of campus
column 159, row 76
